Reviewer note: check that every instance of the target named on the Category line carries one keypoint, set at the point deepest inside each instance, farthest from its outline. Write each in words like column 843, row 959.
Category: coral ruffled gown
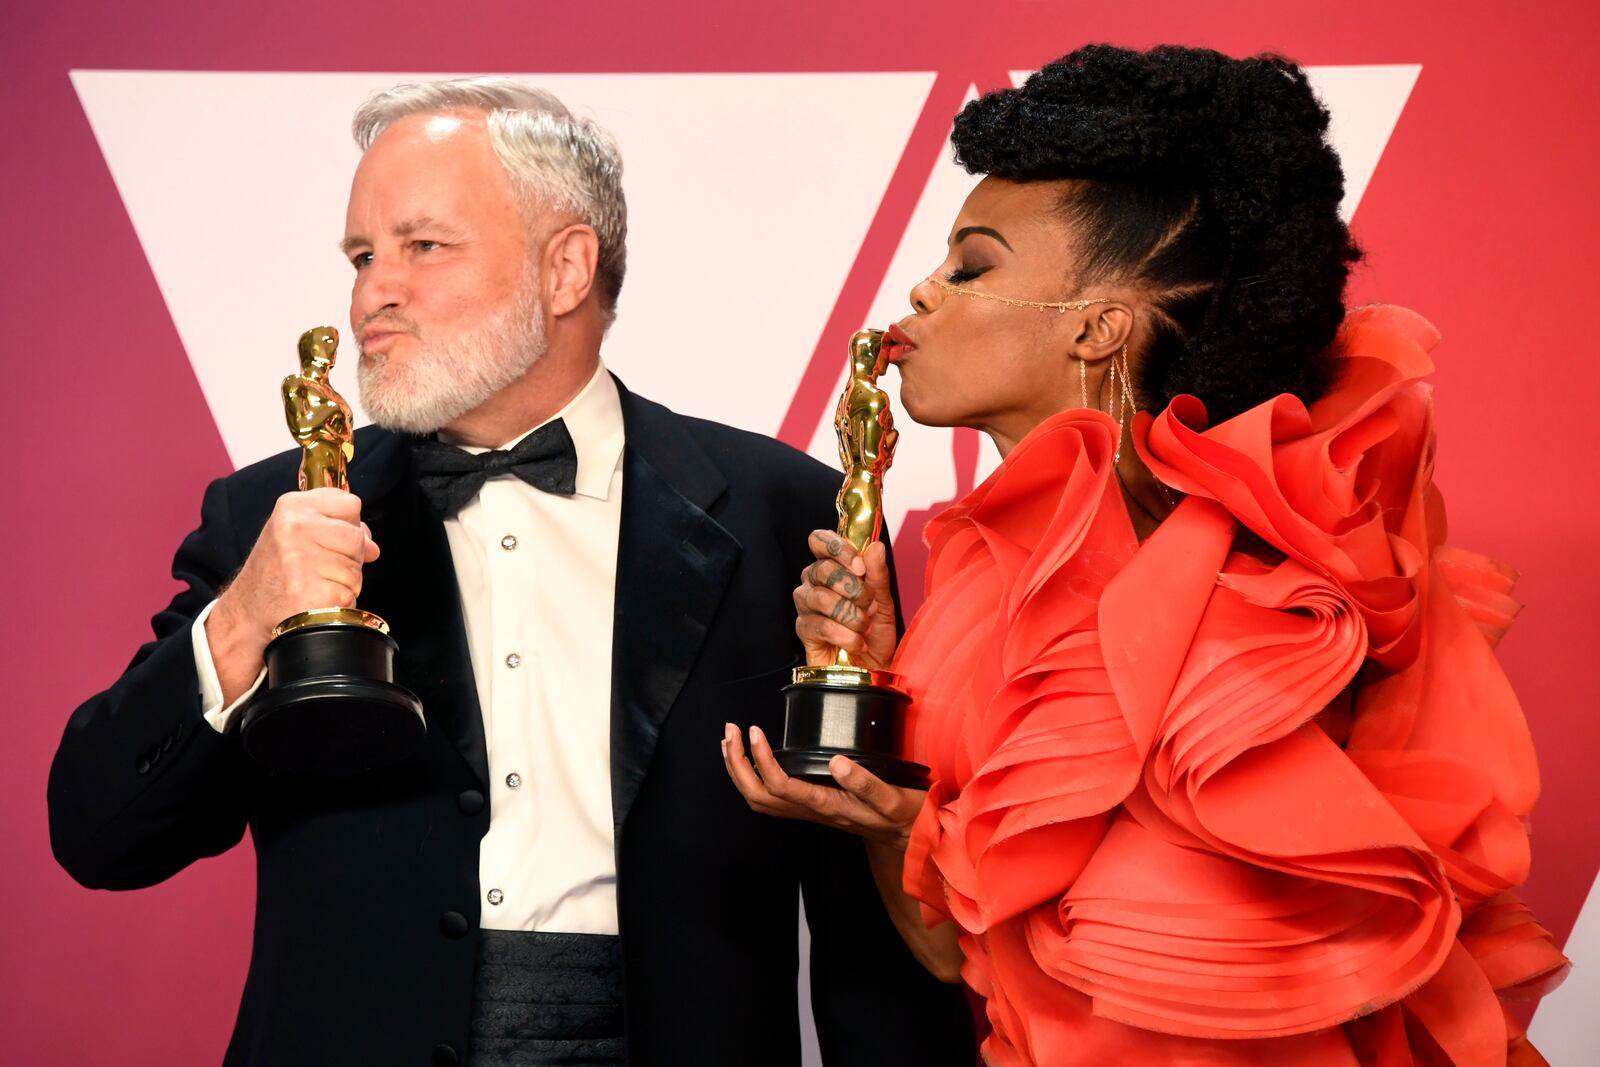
column 1254, row 791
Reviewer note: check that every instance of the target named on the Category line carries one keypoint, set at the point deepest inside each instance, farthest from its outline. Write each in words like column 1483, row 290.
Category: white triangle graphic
column 748, row 197
column 1566, row 1028
column 1364, row 103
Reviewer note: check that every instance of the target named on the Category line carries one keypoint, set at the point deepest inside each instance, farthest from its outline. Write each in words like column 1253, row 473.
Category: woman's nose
column 925, row 296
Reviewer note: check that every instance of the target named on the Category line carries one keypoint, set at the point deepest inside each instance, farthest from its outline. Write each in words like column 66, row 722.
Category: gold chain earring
column 1083, row 384
column 1129, row 405
column 1122, row 404
column 1113, row 408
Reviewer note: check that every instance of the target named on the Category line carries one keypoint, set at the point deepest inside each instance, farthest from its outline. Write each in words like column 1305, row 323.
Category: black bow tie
column 449, row 476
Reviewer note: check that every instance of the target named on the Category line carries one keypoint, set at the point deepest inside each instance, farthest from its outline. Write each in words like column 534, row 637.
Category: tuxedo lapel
column 412, row 584
column 674, row 562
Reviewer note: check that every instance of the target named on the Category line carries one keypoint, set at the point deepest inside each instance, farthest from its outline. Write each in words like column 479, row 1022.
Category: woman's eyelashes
column 965, row 274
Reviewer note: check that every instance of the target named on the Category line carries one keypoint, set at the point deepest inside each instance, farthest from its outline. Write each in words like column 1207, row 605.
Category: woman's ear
column 1103, row 331
column 570, row 259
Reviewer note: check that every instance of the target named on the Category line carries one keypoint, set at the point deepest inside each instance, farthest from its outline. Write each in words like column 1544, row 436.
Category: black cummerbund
column 547, row 1000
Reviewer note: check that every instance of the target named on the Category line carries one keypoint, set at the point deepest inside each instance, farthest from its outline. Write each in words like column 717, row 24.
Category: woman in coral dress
column 1224, row 769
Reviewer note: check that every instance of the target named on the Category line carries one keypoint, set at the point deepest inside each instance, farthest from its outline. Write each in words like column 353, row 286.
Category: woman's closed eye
column 965, row 274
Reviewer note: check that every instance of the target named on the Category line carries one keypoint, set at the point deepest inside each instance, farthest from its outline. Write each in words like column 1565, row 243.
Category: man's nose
column 382, row 284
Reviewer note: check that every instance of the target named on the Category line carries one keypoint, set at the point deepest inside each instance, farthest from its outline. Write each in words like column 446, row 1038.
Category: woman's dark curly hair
column 1206, row 179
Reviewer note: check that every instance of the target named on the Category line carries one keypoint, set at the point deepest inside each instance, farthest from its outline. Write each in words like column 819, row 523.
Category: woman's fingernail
column 756, row 736
column 840, row 768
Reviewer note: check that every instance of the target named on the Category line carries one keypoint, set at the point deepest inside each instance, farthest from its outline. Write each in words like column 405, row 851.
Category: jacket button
column 445, row 1056
column 470, row 802
column 453, row 924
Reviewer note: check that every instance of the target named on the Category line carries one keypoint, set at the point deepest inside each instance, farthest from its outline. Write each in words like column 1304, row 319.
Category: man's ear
column 1102, row 332
column 571, row 256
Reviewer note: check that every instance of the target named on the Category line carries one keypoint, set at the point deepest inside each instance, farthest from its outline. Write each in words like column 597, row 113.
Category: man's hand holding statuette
column 309, row 555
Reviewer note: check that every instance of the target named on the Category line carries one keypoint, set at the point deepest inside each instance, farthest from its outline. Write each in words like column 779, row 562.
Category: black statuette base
column 330, row 706
column 862, row 722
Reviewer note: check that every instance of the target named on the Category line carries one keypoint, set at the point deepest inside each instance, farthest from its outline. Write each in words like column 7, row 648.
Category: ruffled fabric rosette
column 1254, row 791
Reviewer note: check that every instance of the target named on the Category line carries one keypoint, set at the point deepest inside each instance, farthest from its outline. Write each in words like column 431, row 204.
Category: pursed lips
column 899, row 344
column 373, row 336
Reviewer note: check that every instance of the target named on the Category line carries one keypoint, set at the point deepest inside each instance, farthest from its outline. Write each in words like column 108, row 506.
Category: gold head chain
column 1062, row 306
column 1122, row 402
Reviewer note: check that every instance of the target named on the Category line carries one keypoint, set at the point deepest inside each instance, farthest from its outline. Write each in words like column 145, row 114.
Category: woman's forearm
column 936, row 949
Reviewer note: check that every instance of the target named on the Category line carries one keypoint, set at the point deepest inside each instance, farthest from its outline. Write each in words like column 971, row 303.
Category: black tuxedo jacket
column 367, row 889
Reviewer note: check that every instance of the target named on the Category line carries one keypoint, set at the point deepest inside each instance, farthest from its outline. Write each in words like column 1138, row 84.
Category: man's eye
column 425, row 246
column 361, row 259
column 963, row 274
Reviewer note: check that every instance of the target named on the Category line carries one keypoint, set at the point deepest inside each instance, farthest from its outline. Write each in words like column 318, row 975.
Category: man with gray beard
column 586, row 587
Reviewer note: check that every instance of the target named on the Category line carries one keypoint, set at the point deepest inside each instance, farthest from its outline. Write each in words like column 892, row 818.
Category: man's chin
column 404, row 415
column 415, row 426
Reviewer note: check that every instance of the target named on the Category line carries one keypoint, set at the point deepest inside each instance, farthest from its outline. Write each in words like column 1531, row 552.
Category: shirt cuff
column 210, row 685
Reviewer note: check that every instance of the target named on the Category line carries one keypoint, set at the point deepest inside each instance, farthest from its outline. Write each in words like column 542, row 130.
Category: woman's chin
column 922, row 413
column 912, row 402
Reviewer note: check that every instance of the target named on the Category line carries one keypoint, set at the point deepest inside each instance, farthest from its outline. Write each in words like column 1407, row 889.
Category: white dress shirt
column 537, row 574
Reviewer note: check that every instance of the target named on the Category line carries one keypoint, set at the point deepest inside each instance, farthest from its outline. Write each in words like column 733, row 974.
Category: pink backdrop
column 1480, row 215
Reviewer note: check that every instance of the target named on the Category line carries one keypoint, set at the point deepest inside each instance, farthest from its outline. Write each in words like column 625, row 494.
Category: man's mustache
column 389, row 320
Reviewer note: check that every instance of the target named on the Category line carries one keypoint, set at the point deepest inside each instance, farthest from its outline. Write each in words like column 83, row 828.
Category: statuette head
column 317, row 349
column 866, row 353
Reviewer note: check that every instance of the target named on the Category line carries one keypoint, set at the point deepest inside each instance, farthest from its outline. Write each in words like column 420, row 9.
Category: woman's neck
column 1149, row 502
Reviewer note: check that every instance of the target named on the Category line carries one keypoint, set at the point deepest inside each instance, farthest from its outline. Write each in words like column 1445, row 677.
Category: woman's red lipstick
column 898, row 343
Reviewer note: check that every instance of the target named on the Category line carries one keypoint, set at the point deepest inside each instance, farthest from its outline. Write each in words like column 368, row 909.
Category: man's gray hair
column 553, row 158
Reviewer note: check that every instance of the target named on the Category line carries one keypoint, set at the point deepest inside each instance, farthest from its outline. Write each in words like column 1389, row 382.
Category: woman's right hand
column 843, row 601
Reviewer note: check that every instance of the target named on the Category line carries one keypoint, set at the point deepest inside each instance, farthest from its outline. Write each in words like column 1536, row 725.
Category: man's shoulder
column 763, row 455
column 376, row 449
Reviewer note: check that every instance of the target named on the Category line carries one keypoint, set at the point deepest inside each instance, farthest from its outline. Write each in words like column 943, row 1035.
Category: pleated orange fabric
column 1254, row 791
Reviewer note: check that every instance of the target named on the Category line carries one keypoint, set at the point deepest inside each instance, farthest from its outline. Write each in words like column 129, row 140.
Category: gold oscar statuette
column 330, row 705
column 840, row 708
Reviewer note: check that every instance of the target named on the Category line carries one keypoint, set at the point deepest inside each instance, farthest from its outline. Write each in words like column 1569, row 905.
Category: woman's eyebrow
column 968, row 231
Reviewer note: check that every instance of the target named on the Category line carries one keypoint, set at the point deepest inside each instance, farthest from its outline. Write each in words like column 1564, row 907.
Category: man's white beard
column 447, row 377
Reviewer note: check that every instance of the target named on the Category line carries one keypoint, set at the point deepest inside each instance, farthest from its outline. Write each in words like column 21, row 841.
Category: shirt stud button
column 514, row 780
column 513, row 661
column 508, row 542
column 495, row 896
